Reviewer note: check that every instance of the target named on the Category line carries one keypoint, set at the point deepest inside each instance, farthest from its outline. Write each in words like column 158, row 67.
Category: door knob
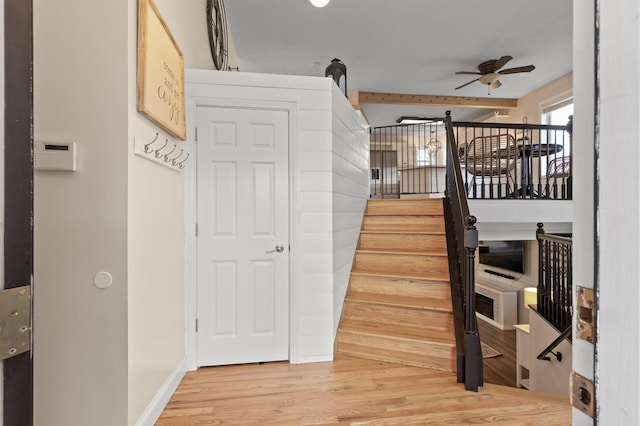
column 279, row 249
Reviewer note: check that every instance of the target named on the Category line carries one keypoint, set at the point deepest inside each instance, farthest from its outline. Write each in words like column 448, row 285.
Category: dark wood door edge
column 18, row 214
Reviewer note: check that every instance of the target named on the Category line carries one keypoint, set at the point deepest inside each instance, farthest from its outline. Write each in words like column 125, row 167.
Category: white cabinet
column 523, row 355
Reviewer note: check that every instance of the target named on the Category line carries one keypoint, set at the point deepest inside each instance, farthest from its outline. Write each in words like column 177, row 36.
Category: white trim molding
column 153, row 411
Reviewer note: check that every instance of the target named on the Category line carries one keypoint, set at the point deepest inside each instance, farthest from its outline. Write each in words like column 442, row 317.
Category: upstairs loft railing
column 498, row 161
column 530, row 161
column 462, row 241
column 555, row 282
column 555, row 279
column 408, row 159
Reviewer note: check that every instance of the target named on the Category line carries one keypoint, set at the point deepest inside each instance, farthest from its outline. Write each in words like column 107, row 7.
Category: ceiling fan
column 489, row 72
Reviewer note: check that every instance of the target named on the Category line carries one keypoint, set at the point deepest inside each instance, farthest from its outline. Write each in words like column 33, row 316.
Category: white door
column 243, row 235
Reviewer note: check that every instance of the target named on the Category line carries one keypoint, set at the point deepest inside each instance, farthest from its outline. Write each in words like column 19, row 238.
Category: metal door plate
column 586, row 314
column 15, row 321
column 582, row 394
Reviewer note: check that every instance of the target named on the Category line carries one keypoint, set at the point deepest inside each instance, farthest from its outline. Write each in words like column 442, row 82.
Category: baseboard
column 313, row 358
column 157, row 404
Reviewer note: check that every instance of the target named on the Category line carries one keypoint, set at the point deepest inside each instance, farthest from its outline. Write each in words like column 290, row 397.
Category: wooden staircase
column 398, row 305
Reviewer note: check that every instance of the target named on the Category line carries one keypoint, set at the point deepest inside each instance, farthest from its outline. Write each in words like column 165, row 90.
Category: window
column 557, row 113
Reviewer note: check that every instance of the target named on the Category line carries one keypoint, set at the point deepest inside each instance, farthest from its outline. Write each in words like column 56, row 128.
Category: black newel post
column 570, row 177
column 473, row 353
column 542, row 260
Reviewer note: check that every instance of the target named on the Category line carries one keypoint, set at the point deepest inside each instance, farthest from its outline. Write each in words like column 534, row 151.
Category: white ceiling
column 407, row 46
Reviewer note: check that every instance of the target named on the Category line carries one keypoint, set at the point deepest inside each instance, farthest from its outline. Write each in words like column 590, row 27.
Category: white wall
column 530, row 106
column 618, row 210
column 103, row 356
column 188, row 23
column 548, row 376
column 321, row 183
column 155, row 229
column 80, row 331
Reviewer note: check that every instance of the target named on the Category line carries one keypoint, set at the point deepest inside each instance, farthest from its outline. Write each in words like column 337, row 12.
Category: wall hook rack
column 174, row 160
column 166, row 156
column 147, row 148
column 158, row 152
column 181, row 164
column 163, row 155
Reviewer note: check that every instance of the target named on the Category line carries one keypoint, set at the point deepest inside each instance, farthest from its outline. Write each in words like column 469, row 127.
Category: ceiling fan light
column 319, row 3
column 489, row 78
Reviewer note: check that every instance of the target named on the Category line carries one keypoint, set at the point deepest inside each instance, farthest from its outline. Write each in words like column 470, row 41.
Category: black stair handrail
column 462, row 241
column 549, row 349
column 555, row 278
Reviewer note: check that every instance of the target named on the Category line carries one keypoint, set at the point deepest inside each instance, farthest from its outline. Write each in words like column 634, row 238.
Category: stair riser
column 400, row 286
column 397, row 316
column 403, row 223
column 435, row 267
column 420, row 354
column 403, row 242
column 405, row 207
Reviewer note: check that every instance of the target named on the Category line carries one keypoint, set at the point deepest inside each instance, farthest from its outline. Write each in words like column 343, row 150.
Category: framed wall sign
column 160, row 81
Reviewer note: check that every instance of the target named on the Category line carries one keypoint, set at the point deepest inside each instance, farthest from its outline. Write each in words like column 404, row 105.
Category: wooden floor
column 500, row 370
column 352, row 391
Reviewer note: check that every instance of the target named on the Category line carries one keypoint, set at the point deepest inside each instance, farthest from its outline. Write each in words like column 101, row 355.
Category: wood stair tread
column 399, row 333
column 405, row 207
column 401, row 273
column 404, row 216
column 437, row 253
column 399, row 276
column 423, row 303
column 403, row 232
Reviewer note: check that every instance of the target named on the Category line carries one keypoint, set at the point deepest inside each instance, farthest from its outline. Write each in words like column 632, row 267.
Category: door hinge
column 196, row 132
column 15, row 328
column 196, row 229
column 196, row 325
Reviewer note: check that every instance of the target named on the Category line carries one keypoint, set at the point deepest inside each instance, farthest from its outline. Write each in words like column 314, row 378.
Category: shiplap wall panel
column 313, row 140
column 330, row 178
column 350, row 170
column 315, row 181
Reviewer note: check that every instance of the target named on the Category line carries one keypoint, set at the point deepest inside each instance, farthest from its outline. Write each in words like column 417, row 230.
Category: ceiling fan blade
column 501, row 62
column 469, row 72
column 466, row 84
column 527, row 68
column 496, row 84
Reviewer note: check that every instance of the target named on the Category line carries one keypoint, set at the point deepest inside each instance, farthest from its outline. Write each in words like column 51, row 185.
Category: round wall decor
column 217, row 28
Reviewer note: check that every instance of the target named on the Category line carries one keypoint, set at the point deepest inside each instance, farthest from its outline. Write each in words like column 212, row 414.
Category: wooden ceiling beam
column 433, row 100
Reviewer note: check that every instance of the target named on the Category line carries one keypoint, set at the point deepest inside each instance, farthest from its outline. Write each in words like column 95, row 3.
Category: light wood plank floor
column 500, row 370
column 352, row 391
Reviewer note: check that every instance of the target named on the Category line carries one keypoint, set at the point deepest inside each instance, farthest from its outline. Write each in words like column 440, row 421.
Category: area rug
column 488, row 351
